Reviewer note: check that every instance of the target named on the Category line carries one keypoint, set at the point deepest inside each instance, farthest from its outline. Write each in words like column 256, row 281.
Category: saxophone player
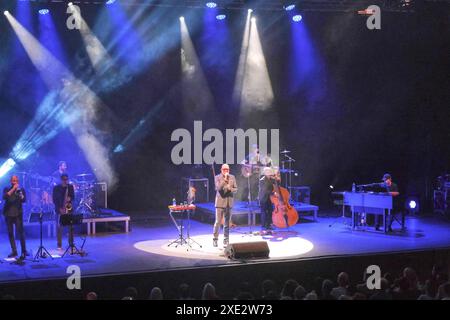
column 63, row 197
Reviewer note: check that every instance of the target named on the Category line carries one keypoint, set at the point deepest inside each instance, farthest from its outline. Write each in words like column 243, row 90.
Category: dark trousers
column 266, row 214
column 59, row 232
column 18, row 222
column 226, row 214
column 390, row 219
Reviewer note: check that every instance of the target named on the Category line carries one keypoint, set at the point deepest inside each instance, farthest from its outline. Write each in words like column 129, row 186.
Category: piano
column 368, row 203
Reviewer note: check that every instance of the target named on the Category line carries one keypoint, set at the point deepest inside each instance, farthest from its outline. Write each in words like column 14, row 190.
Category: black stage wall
column 374, row 102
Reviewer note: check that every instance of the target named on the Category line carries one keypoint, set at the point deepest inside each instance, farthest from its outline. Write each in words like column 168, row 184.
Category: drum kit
column 39, row 192
column 248, row 170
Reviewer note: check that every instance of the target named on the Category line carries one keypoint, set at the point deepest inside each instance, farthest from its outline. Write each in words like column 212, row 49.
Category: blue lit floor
column 145, row 247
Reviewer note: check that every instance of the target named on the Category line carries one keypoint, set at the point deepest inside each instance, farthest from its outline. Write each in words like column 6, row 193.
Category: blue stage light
column 221, row 17
column 110, row 1
column 211, row 5
column 297, row 18
column 44, row 11
column 412, row 204
column 7, row 166
column 289, row 7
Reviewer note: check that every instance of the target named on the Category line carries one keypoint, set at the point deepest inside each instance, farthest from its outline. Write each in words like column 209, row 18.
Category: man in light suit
column 225, row 189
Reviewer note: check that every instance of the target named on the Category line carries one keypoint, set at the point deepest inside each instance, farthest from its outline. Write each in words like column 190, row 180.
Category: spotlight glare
column 221, row 17
column 250, row 10
column 289, row 7
column 253, row 19
column 70, row 4
column 44, row 11
column 412, row 204
column 5, row 12
column 110, row 1
column 297, row 18
column 181, row 18
column 7, row 166
column 211, row 5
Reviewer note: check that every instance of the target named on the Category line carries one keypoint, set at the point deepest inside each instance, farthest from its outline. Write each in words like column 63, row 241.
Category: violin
column 284, row 215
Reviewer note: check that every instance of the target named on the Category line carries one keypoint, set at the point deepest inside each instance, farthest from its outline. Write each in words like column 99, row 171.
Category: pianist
column 391, row 188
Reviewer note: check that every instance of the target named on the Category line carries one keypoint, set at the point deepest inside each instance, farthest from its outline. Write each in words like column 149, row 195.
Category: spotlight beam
column 237, row 92
column 70, row 100
column 197, row 96
column 253, row 89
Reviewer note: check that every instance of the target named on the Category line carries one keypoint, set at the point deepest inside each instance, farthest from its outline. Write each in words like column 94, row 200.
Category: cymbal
column 285, row 151
column 81, row 175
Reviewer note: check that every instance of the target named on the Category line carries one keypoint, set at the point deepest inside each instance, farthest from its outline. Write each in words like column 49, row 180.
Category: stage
column 144, row 248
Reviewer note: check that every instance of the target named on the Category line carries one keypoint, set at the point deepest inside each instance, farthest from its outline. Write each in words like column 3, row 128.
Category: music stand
column 42, row 252
column 71, row 220
column 183, row 211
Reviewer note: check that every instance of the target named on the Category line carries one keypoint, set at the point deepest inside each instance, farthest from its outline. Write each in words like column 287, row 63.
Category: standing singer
column 226, row 187
column 14, row 197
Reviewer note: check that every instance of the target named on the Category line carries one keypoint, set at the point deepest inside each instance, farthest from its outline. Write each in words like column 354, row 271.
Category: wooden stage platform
column 245, row 214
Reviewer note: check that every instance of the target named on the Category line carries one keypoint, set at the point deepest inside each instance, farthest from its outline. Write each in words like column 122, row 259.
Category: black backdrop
column 382, row 106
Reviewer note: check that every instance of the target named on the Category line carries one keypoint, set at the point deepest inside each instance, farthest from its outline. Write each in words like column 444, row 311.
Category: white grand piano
column 368, row 203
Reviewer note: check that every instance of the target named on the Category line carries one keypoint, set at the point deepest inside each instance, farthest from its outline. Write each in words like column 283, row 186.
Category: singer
column 14, row 197
column 226, row 187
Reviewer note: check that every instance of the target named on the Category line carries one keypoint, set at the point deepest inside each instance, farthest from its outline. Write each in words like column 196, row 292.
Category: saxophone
column 67, row 202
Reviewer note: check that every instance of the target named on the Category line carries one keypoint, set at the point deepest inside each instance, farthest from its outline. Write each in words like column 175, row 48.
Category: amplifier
column 101, row 195
column 201, row 186
column 301, row 194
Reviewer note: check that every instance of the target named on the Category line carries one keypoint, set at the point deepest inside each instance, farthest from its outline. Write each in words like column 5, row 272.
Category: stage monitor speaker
column 247, row 250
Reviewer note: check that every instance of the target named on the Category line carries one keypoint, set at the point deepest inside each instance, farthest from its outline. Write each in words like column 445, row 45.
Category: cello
column 284, row 215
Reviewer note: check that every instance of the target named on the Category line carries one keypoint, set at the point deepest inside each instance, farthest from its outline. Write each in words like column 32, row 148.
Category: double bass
column 284, row 215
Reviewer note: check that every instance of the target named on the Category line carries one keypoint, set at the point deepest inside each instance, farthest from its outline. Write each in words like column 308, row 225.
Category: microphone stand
column 42, row 252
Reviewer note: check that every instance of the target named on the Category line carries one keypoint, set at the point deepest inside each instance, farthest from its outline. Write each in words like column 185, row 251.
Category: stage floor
column 145, row 247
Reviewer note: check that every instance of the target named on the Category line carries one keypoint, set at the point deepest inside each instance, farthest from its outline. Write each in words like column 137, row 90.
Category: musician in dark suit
column 62, row 169
column 266, row 184
column 62, row 193
column 226, row 187
column 391, row 188
column 14, row 196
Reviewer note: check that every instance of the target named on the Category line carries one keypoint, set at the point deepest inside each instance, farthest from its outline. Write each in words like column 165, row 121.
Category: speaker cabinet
column 247, row 250
column 101, row 195
column 301, row 194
